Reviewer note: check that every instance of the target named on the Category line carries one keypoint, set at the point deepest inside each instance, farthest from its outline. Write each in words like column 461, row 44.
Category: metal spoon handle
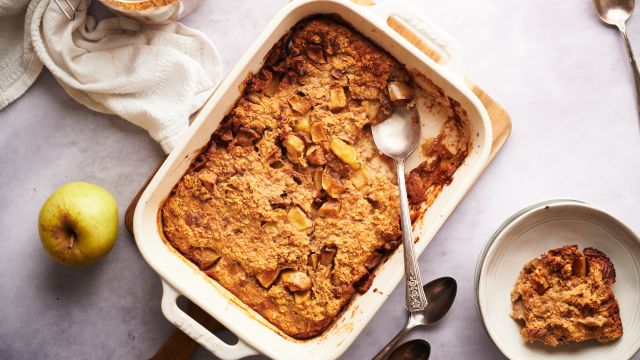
column 634, row 67
column 415, row 298
column 392, row 344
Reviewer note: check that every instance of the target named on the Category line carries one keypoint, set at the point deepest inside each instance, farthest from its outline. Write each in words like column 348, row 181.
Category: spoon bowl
column 440, row 294
column 614, row 12
column 399, row 135
column 417, row 349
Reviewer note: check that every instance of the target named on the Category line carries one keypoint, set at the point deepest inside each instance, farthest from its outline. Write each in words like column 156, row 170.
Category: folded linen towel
column 152, row 75
column 19, row 65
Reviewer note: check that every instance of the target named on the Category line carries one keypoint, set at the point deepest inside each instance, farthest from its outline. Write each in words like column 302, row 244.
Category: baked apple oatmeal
column 565, row 296
column 290, row 206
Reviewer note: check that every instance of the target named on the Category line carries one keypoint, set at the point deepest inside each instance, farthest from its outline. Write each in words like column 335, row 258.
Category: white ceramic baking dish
column 180, row 277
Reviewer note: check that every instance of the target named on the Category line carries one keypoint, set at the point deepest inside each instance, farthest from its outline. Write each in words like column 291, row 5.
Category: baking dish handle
column 428, row 30
column 198, row 332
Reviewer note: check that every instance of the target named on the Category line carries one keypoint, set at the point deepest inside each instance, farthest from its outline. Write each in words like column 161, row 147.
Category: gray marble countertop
column 561, row 74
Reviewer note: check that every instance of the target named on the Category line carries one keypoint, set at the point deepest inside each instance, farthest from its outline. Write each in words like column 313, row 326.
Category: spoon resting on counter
column 616, row 13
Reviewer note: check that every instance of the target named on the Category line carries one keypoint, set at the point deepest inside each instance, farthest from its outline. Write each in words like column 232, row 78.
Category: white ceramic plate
column 530, row 233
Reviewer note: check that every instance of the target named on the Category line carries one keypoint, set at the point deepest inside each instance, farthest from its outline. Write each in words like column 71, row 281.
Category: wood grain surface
column 179, row 345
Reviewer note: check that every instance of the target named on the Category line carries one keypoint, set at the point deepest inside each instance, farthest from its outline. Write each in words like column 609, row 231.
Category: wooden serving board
column 181, row 346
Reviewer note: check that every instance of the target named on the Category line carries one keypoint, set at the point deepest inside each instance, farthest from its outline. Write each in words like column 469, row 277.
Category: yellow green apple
column 78, row 224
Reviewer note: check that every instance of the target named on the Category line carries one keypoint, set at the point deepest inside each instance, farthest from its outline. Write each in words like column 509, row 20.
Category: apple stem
column 71, row 239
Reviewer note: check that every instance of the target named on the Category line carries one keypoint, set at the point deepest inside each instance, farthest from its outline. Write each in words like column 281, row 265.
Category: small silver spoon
column 616, row 13
column 440, row 294
column 417, row 349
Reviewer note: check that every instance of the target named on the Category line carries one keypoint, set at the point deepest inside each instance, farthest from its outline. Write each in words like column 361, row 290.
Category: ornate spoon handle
column 415, row 298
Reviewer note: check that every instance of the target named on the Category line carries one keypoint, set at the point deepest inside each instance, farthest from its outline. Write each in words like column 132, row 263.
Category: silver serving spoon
column 616, row 13
column 417, row 349
column 440, row 294
column 398, row 137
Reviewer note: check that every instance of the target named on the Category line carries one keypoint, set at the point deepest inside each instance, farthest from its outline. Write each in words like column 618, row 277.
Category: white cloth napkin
column 154, row 76
column 19, row 66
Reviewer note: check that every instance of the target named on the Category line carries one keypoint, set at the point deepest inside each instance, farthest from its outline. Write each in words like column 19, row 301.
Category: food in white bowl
column 152, row 11
column 535, row 230
column 565, row 296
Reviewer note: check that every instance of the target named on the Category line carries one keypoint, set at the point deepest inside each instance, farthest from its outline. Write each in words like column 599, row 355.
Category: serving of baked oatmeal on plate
column 560, row 280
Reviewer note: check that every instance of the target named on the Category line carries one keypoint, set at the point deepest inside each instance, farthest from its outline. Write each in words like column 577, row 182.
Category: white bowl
column 528, row 234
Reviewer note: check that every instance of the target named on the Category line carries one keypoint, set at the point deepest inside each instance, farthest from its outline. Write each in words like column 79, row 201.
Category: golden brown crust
column 565, row 296
column 140, row 5
column 291, row 207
